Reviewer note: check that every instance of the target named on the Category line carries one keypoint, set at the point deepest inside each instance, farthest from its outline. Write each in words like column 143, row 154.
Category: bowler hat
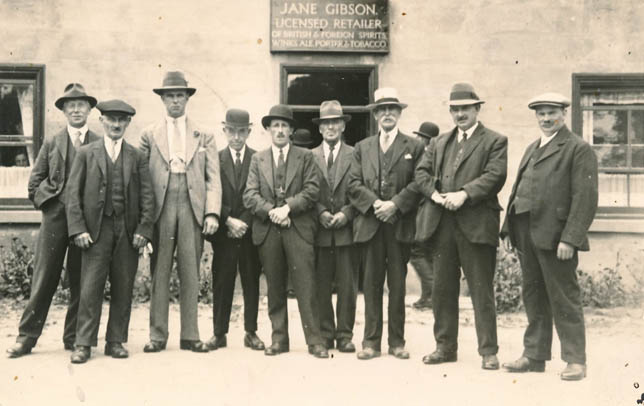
column 549, row 99
column 463, row 94
column 237, row 118
column 331, row 109
column 174, row 80
column 281, row 112
column 385, row 96
column 115, row 106
column 74, row 91
column 428, row 130
column 302, row 138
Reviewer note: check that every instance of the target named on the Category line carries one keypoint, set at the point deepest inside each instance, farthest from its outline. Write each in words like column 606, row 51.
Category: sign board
column 360, row 26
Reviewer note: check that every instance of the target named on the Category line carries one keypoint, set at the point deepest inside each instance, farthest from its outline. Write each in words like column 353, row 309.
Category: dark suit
column 231, row 253
column 47, row 190
column 466, row 238
column 292, row 246
column 334, row 262
column 112, row 252
column 561, row 195
column 387, row 244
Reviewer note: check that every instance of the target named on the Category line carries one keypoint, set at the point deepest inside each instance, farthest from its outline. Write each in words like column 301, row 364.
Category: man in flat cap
column 460, row 175
column 334, row 239
column 551, row 207
column 110, row 211
column 232, row 244
column 383, row 191
column 281, row 192
column 47, row 190
column 184, row 165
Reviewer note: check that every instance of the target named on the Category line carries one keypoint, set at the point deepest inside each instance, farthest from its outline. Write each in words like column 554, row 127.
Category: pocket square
column 408, row 156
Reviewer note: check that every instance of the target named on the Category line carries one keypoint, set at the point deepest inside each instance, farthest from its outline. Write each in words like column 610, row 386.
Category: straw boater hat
column 281, row 112
column 74, row 91
column 385, row 96
column 331, row 109
column 174, row 81
column 237, row 118
column 463, row 94
column 115, row 106
column 549, row 99
column 427, row 130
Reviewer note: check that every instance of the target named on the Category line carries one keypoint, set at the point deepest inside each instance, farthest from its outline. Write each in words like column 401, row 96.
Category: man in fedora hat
column 551, row 207
column 47, row 190
column 383, row 191
column 334, row 240
column 110, row 208
column 184, row 165
column 281, row 192
column 232, row 244
column 459, row 176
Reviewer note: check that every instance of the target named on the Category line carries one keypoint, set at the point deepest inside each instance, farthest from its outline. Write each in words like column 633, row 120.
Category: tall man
column 281, row 192
column 232, row 244
column 334, row 240
column 552, row 205
column 47, row 191
column 460, row 175
column 184, row 166
column 382, row 189
column 110, row 208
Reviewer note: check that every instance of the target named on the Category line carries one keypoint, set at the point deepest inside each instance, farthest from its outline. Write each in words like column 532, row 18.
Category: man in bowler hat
column 47, row 191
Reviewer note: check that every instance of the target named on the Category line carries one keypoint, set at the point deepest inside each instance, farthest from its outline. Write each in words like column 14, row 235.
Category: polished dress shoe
column 318, row 351
column 18, row 350
column 490, row 362
column 422, row 304
column 81, row 354
column 275, row 349
column 116, row 350
column 574, row 372
column 193, row 345
column 439, row 357
column 253, row 342
column 346, row 346
column 154, row 346
column 68, row 346
column 399, row 352
column 216, row 342
column 525, row 364
column 329, row 343
column 368, row 353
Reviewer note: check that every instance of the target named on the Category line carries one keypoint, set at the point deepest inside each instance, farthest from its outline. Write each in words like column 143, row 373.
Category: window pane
column 609, row 127
column 637, row 157
column 355, row 130
column 611, row 157
column 350, row 88
column 612, row 190
column 637, row 118
column 16, row 124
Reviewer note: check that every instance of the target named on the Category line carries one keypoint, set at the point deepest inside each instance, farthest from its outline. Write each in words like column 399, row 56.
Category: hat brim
column 237, row 125
column 266, row 120
column 376, row 105
column 424, row 135
column 345, row 117
column 465, row 102
column 534, row 105
column 161, row 90
column 60, row 103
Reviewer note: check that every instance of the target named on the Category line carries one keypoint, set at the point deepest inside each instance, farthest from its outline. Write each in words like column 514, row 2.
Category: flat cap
column 549, row 99
column 115, row 106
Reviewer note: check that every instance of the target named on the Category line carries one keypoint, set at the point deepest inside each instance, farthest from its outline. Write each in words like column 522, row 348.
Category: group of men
column 300, row 214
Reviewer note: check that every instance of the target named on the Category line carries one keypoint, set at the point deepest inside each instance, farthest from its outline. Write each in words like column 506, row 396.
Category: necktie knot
column 238, row 156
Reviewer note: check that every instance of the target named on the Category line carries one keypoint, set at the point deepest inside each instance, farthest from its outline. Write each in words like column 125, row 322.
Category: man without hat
column 281, row 192
column 334, row 239
column 382, row 189
column 232, row 244
column 47, row 191
column 184, row 165
column 460, row 176
column 551, row 207
column 110, row 211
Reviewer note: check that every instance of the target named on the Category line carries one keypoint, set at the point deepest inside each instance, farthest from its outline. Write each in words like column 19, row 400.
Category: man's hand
column 326, row 219
column 438, row 198
column 139, row 241
column 210, row 225
column 83, row 240
column 236, row 227
column 376, row 205
column 279, row 215
column 339, row 220
column 454, row 200
column 386, row 211
column 565, row 251
column 286, row 223
column 507, row 243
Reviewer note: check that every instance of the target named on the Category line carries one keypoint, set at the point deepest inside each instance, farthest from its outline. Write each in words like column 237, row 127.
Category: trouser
column 421, row 260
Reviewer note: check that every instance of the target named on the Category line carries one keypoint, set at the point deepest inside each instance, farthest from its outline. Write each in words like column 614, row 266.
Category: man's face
column 280, row 132
column 550, row 118
column 465, row 116
column 332, row 130
column 236, row 136
column 21, row 160
column 114, row 124
column 76, row 111
column 175, row 102
column 387, row 116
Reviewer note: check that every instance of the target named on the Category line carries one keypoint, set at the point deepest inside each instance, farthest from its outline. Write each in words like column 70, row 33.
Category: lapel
column 91, row 137
column 555, row 145
column 474, row 141
column 248, row 156
column 373, row 153
column 318, row 153
column 526, row 156
column 292, row 164
column 399, row 146
column 226, row 163
column 192, row 140
column 61, row 140
column 161, row 139
column 100, row 155
column 128, row 159
column 266, row 167
column 441, row 144
column 343, row 162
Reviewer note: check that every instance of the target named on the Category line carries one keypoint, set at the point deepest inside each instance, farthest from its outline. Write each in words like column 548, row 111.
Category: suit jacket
column 302, row 186
column 47, row 178
column 334, row 197
column 364, row 186
column 481, row 174
column 88, row 187
column 563, row 192
column 202, row 167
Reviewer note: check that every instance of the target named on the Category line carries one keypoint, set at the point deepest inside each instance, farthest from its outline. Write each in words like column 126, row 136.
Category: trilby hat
column 331, row 109
column 74, row 91
column 385, row 96
column 174, row 80
column 463, row 94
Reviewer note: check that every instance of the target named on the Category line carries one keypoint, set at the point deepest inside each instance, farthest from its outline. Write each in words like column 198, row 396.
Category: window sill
column 622, row 224
column 20, row 216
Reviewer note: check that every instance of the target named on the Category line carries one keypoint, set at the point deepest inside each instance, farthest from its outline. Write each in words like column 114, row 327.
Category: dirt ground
column 239, row 376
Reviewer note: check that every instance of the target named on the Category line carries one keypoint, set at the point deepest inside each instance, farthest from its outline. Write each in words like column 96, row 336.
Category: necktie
column 329, row 161
column 281, row 173
column 280, row 159
column 177, row 143
column 464, row 137
column 77, row 140
column 237, row 167
column 114, row 154
column 385, row 143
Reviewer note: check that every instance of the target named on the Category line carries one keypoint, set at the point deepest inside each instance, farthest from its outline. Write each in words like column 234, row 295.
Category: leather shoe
column 193, row 345
column 525, row 364
column 574, row 372
column 399, row 352
column 116, row 350
column 422, row 303
column 329, row 343
column 346, row 346
column 18, row 350
column 368, row 353
column 68, row 346
column 253, row 342
column 275, row 349
column 490, row 362
column 80, row 355
column 217, row 342
column 439, row 357
column 318, row 351
column 154, row 346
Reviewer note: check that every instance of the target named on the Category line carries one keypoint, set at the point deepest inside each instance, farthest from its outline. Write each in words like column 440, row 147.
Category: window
column 21, row 129
column 608, row 111
column 304, row 88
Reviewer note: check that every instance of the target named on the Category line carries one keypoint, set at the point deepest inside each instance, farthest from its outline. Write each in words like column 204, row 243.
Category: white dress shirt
column 545, row 140
column 392, row 136
column 326, row 149
column 233, row 154
column 469, row 132
column 276, row 152
column 177, row 158
column 113, row 147
column 77, row 132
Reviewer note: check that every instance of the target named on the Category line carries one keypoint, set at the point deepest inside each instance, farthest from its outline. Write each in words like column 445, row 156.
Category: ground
column 239, row 376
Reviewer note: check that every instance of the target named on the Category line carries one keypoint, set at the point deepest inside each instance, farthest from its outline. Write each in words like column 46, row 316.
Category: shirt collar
column 392, row 133
column 276, row 151
column 470, row 131
column 545, row 140
column 326, row 148
column 83, row 131
column 117, row 144
column 233, row 153
column 181, row 120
